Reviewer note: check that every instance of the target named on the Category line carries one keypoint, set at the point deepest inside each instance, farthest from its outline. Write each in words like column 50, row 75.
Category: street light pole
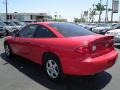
column 6, row 5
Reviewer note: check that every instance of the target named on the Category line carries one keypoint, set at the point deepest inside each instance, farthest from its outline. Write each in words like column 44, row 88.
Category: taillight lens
column 111, row 43
column 83, row 50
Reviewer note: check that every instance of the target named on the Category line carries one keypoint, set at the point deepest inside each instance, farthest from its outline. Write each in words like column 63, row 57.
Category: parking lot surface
column 19, row 74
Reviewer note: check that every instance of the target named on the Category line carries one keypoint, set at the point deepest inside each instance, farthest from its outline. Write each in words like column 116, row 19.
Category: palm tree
column 92, row 13
column 100, row 8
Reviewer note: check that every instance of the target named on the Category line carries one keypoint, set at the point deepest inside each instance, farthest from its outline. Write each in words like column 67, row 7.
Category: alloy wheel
column 7, row 50
column 52, row 69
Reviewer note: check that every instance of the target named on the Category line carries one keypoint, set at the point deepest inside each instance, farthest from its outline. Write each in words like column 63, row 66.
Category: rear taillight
column 111, row 43
column 83, row 50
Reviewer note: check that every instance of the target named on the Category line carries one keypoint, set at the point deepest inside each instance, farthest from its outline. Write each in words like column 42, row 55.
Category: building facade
column 26, row 16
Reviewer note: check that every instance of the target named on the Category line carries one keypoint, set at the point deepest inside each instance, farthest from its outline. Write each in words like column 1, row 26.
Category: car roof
column 46, row 23
column 43, row 22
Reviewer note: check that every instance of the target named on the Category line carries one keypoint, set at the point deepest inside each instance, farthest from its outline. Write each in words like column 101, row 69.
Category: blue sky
column 66, row 8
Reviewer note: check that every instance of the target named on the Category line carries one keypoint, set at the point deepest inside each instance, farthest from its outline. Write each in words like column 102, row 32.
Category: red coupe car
column 63, row 49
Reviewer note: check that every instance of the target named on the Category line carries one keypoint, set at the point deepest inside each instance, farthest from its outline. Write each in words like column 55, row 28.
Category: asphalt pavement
column 20, row 74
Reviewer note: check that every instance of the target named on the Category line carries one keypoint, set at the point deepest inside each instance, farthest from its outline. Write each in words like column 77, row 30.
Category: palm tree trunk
column 100, row 16
column 100, row 12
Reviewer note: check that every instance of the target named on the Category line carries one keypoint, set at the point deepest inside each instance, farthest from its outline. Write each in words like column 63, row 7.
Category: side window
column 43, row 32
column 28, row 31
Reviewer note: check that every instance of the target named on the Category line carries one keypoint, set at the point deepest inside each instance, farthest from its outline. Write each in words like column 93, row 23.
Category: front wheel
column 53, row 69
column 8, row 50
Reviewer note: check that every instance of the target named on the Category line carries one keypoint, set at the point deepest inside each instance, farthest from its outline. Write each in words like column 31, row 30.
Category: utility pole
column 6, row 5
column 106, row 15
column 112, row 12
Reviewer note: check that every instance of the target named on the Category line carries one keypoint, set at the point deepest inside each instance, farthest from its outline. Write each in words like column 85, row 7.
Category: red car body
column 81, row 55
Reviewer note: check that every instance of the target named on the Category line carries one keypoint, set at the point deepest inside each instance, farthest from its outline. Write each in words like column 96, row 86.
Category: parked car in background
column 115, row 33
column 101, row 28
column 11, row 26
column 19, row 23
column 63, row 49
column 2, row 29
column 116, row 26
column 88, row 26
column 8, row 29
column 2, row 32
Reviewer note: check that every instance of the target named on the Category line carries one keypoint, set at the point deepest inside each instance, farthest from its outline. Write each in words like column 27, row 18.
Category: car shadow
column 33, row 71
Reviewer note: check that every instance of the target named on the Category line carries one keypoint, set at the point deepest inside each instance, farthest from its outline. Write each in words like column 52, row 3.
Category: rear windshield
column 70, row 30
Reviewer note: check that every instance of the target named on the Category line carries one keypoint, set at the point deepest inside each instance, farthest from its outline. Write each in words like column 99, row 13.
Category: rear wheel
column 53, row 68
column 8, row 50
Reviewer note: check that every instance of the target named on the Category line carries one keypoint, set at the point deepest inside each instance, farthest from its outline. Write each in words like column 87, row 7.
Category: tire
column 8, row 51
column 53, row 68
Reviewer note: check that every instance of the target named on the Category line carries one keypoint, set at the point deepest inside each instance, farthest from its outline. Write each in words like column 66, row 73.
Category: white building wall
column 27, row 17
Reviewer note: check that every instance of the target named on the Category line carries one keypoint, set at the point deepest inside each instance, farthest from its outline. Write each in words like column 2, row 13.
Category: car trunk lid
column 96, row 44
column 101, row 45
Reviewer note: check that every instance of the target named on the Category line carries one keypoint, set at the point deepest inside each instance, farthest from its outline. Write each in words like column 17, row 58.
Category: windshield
column 69, row 30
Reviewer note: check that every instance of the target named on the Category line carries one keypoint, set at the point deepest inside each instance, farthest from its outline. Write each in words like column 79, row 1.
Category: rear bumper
column 91, row 66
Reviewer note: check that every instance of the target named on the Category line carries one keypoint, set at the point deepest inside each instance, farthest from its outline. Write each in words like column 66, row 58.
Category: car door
column 22, row 42
column 40, row 43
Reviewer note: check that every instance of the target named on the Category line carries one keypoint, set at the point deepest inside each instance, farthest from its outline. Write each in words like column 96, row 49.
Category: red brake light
column 111, row 42
column 83, row 50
